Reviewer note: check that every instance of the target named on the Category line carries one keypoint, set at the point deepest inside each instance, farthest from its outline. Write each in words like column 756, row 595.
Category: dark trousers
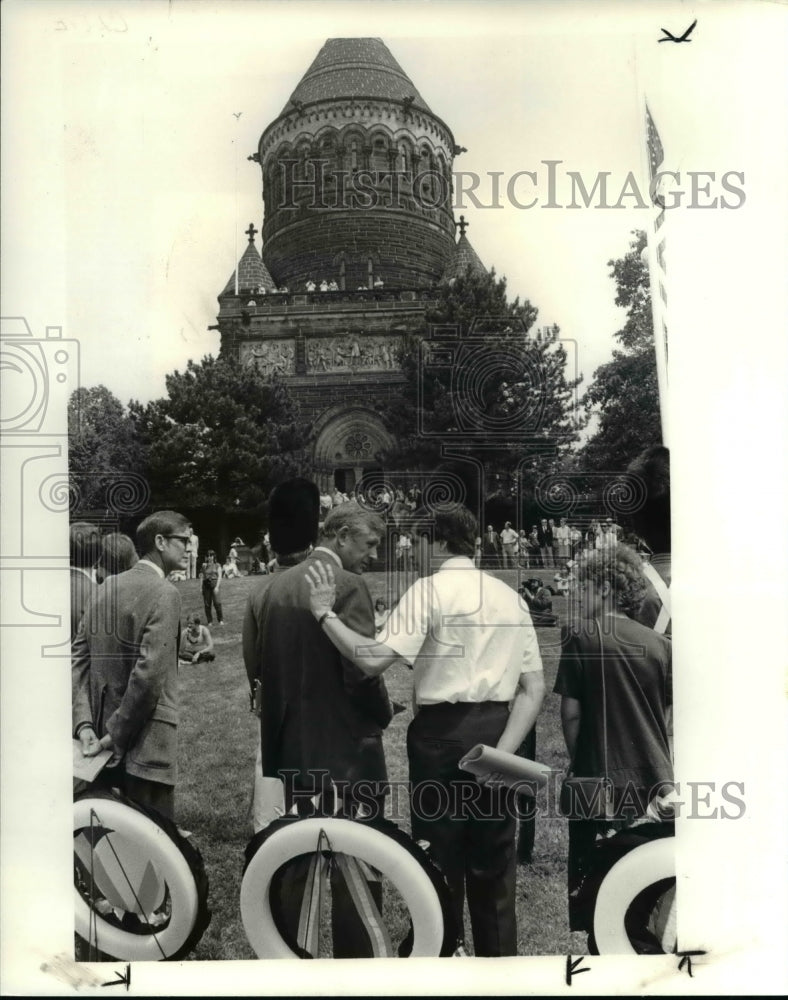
column 149, row 794
column 470, row 828
column 209, row 598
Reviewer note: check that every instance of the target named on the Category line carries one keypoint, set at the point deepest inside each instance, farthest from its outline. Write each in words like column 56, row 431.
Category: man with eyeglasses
column 124, row 668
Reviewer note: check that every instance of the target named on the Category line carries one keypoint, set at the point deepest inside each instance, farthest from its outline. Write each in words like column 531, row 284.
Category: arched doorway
column 349, row 443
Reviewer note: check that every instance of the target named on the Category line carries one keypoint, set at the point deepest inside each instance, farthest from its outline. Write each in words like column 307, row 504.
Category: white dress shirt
column 467, row 635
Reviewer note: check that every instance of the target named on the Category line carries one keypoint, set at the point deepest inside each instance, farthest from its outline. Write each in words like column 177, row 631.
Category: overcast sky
column 130, row 168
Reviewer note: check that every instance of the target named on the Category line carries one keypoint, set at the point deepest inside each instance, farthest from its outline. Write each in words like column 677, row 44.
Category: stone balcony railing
column 319, row 300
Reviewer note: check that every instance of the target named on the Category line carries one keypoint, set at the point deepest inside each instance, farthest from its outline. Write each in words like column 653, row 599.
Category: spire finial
column 251, row 232
column 463, row 225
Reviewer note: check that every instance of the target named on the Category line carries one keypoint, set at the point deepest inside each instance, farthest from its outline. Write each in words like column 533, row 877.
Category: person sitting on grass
column 563, row 580
column 196, row 643
column 539, row 599
column 230, row 568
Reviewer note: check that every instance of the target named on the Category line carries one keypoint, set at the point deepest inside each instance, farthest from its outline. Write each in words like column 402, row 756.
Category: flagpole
column 235, row 144
column 650, row 142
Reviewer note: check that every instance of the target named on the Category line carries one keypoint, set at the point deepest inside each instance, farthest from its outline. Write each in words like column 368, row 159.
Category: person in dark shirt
column 614, row 678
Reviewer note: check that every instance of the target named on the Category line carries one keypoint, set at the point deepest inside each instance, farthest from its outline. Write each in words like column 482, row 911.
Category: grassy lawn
column 218, row 741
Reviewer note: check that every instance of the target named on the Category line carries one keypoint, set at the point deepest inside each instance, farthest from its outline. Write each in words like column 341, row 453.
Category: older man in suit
column 320, row 712
column 125, row 667
column 491, row 548
column 322, row 718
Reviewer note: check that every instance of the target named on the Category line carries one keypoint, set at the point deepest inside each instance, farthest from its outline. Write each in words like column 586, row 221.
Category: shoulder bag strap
column 663, row 593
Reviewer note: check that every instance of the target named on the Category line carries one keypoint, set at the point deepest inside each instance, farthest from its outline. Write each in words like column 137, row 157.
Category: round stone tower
column 357, row 177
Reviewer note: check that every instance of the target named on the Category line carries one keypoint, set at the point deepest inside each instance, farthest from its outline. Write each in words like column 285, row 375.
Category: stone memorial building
column 358, row 232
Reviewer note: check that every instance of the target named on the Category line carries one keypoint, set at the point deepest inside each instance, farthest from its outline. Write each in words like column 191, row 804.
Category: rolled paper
column 482, row 760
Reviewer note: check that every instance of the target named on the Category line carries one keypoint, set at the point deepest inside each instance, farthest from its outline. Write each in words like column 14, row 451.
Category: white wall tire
column 127, row 840
column 636, row 871
column 282, row 842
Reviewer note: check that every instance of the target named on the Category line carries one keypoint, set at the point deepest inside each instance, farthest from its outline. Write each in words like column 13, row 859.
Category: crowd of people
column 316, row 649
column 547, row 545
column 310, row 285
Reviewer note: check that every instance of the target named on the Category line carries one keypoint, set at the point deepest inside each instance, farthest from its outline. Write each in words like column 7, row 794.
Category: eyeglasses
column 181, row 538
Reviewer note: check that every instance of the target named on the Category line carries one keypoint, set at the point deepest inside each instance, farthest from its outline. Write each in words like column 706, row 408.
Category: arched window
column 379, row 159
column 327, row 154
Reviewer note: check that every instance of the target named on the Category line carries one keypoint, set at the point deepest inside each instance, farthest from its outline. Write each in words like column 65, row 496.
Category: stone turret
column 463, row 258
column 357, row 177
column 253, row 276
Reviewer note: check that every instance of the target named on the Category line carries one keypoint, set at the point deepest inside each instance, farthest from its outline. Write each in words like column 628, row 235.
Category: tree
column 104, row 445
column 491, row 386
column 224, row 436
column 624, row 392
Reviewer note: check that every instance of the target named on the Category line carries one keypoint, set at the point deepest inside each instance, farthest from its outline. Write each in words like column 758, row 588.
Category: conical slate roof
column 252, row 273
column 354, row 67
column 463, row 256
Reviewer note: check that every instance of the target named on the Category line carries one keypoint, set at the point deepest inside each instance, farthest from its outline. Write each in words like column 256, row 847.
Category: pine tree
column 224, row 436
column 503, row 394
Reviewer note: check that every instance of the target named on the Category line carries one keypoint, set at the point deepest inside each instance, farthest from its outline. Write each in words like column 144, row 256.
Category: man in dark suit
column 322, row 718
column 320, row 713
column 84, row 547
column 544, row 533
column 491, row 548
column 124, row 667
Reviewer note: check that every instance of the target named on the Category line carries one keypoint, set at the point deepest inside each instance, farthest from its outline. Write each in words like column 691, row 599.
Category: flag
column 657, row 264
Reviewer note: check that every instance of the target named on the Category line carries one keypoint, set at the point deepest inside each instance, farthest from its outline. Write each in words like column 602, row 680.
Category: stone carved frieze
column 270, row 357
column 350, row 353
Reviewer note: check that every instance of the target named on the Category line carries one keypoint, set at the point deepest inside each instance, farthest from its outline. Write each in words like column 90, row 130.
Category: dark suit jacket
column 491, row 543
column 124, row 670
column 82, row 592
column 545, row 536
column 319, row 711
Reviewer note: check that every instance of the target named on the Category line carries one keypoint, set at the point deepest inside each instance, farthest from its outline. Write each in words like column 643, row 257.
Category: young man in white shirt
column 477, row 679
